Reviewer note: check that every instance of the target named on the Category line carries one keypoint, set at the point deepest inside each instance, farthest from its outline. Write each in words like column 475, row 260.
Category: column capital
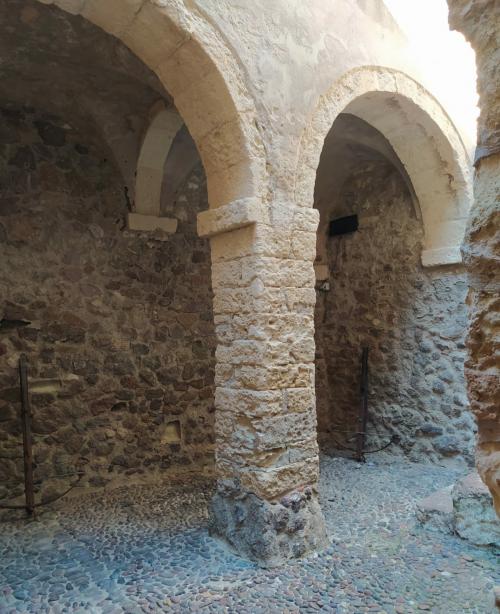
column 237, row 214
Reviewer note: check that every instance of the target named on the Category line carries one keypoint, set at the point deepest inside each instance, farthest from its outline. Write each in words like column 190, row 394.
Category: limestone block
column 233, row 245
column 231, row 461
column 474, row 515
column 227, row 145
column 148, row 190
column 227, row 274
column 278, row 272
column 300, row 299
column 153, row 35
column 303, row 245
column 257, row 403
column 163, row 127
column 260, row 239
column 274, row 376
column 232, row 216
column 305, row 219
column 299, row 399
column 259, row 299
column 287, row 326
column 114, row 16
column 151, row 223
column 243, row 432
column 289, row 215
column 242, row 352
column 186, row 66
column 240, row 180
column 267, row 351
column 70, row 6
column 275, row 482
column 212, row 114
column 441, row 256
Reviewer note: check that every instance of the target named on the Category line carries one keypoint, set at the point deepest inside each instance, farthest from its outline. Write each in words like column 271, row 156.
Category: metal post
column 27, row 442
column 363, row 408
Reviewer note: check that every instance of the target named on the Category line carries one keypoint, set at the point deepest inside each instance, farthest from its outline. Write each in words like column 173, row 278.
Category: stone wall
column 412, row 319
column 479, row 21
column 117, row 327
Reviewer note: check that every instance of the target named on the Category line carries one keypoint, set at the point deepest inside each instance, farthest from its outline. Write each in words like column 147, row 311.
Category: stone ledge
column 232, row 216
column 151, row 223
column 441, row 256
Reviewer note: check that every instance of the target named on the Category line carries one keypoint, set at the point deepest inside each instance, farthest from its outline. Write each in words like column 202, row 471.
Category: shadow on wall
column 119, row 329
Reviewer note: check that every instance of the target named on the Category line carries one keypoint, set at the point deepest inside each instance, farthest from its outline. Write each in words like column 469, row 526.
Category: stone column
column 266, row 504
column 479, row 20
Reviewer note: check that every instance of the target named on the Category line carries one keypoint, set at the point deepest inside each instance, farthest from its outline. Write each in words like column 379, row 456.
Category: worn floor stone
column 146, row 549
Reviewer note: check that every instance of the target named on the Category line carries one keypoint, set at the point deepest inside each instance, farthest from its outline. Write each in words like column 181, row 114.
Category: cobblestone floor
column 146, row 549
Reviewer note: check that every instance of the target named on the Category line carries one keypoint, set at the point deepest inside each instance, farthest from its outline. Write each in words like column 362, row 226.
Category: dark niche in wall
column 343, row 225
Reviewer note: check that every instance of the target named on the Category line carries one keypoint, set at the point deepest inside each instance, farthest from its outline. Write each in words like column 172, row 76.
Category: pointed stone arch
column 423, row 137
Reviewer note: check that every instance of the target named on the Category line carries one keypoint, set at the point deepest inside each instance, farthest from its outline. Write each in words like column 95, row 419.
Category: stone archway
column 374, row 293
column 422, row 136
column 199, row 71
column 262, row 278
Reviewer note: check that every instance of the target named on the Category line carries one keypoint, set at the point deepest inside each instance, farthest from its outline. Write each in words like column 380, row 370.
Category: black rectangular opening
column 343, row 225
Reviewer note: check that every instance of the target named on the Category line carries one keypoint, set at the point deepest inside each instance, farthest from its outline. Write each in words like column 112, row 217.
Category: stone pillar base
column 269, row 533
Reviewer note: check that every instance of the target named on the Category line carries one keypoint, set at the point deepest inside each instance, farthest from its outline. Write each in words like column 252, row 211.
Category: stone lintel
column 151, row 223
column 441, row 256
column 235, row 215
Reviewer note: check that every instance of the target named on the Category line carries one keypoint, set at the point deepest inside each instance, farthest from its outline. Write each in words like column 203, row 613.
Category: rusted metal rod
column 363, row 408
column 27, row 441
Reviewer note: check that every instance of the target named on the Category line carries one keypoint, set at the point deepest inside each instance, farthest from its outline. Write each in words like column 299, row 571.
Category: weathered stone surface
column 142, row 343
column 268, row 532
column 479, row 21
column 465, row 508
column 102, row 314
column 412, row 319
column 473, row 512
column 151, row 223
column 436, row 510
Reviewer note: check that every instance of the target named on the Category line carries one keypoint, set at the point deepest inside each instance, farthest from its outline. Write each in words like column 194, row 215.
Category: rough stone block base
column 475, row 518
column 269, row 533
column 465, row 508
column 436, row 511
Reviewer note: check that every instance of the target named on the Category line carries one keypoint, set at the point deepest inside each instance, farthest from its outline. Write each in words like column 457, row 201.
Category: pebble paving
column 146, row 549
